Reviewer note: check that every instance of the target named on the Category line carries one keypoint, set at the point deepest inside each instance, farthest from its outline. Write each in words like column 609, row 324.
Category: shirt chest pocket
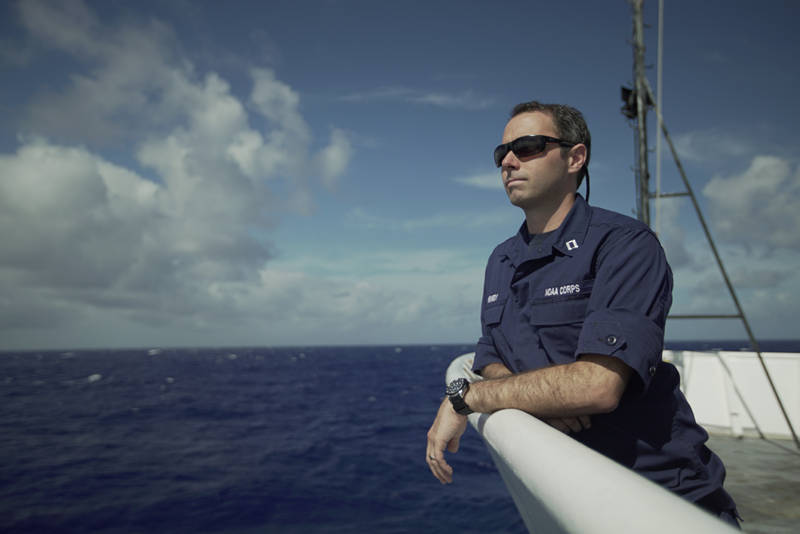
column 557, row 323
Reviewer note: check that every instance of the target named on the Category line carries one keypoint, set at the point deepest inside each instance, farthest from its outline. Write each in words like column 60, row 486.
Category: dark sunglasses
column 526, row 146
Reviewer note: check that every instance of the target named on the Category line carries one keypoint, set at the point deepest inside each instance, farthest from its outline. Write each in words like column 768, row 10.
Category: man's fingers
column 445, row 433
column 442, row 471
column 570, row 424
column 573, row 423
column 585, row 421
column 440, row 468
column 436, row 462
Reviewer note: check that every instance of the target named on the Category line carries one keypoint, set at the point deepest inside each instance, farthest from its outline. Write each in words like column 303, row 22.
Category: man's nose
column 510, row 160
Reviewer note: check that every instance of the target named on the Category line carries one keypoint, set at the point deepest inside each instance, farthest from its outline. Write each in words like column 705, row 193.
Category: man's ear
column 576, row 158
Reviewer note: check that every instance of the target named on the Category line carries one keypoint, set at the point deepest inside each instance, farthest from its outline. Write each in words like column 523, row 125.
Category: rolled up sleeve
column 485, row 354
column 631, row 297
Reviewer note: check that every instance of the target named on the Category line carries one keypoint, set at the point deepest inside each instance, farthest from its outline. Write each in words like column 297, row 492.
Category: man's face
column 540, row 180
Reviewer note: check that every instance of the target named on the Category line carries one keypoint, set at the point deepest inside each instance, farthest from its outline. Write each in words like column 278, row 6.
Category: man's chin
column 518, row 200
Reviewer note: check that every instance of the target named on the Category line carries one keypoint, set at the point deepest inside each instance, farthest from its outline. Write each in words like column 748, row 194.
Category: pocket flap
column 493, row 314
column 555, row 312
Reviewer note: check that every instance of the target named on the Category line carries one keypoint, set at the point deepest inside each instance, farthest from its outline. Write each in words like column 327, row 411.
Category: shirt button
column 611, row 340
column 652, row 370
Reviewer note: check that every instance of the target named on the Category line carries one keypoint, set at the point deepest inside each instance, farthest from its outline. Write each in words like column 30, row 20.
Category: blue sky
column 295, row 173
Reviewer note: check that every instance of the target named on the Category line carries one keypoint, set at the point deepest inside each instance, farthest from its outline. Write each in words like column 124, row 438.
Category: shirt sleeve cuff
column 624, row 334
column 484, row 355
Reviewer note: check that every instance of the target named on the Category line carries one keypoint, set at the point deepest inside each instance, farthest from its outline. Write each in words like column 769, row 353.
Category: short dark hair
column 569, row 123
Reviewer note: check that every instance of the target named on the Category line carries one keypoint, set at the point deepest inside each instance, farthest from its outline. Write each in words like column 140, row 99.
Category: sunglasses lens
column 500, row 153
column 523, row 147
column 531, row 145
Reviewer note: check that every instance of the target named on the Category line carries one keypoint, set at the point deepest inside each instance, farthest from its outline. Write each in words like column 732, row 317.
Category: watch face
column 455, row 386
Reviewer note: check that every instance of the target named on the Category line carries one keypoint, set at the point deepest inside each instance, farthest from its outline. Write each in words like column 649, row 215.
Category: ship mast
column 640, row 94
column 637, row 102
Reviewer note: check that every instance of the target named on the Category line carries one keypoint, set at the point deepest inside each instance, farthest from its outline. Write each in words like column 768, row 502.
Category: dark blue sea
column 254, row 440
column 236, row 441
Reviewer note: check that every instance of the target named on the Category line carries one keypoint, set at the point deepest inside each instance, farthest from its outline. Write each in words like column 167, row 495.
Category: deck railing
column 561, row 486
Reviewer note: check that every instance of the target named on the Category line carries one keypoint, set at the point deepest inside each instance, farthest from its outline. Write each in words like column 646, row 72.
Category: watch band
column 455, row 392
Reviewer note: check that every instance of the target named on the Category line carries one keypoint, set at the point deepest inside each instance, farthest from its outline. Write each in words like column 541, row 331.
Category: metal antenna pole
column 659, row 94
column 642, row 175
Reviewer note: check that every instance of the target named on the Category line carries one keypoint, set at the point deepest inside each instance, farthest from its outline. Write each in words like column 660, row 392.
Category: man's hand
column 446, row 432
column 569, row 424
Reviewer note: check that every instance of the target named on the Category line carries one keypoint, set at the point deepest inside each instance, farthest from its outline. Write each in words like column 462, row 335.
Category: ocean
column 236, row 441
column 251, row 440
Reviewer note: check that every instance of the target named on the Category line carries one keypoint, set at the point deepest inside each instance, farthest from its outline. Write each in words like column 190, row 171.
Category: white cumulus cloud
column 712, row 145
column 452, row 100
column 333, row 160
column 179, row 232
column 760, row 206
column 488, row 180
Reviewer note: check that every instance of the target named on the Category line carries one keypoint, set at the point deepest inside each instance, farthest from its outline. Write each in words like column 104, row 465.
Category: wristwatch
column 455, row 392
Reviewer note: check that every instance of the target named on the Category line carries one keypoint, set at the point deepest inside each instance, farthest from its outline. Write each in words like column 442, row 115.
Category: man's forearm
column 591, row 385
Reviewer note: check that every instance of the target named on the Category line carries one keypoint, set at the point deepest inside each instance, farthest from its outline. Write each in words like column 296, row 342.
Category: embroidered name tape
column 569, row 289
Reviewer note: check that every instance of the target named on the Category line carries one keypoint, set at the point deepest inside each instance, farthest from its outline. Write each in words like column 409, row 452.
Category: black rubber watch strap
column 457, row 397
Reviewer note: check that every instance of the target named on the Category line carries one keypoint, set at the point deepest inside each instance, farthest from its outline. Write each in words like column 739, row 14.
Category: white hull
column 729, row 392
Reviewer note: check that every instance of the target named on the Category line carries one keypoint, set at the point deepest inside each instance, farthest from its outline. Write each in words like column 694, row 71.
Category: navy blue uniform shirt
column 600, row 284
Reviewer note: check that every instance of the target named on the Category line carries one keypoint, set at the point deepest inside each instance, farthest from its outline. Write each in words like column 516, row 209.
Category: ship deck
column 763, row 476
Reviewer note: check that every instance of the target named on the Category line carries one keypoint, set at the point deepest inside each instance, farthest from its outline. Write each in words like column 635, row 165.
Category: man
column 572, row 317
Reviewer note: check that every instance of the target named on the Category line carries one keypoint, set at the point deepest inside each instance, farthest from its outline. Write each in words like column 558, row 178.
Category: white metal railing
column 561, row 486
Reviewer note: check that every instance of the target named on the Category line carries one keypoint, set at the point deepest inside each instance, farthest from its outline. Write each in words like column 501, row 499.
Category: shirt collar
column 566, row 239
